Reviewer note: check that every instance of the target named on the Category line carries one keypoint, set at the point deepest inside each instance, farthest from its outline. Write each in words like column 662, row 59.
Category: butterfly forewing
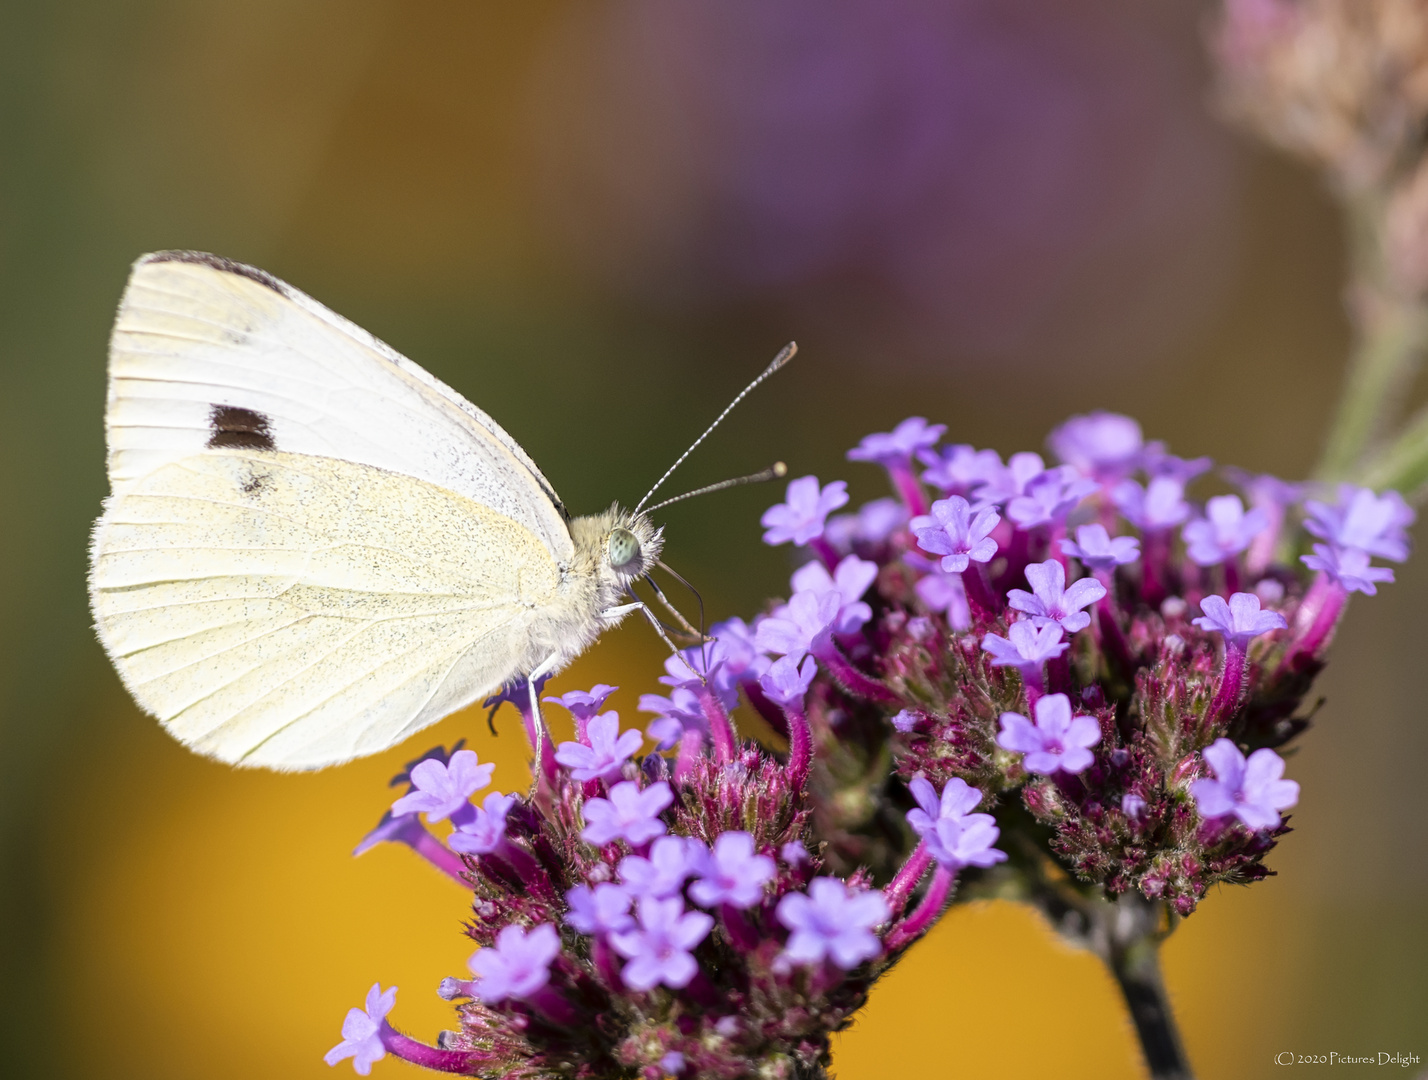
column 313, row 548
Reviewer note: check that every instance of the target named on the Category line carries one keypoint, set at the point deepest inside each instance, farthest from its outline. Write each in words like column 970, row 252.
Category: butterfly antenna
column 773, row 472
column 784, row 356
column 703, row 640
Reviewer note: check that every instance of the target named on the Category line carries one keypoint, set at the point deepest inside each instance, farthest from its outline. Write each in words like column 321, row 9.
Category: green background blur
column 596, row 221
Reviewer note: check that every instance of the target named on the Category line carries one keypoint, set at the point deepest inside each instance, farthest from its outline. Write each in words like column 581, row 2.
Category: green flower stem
column 1403, row 466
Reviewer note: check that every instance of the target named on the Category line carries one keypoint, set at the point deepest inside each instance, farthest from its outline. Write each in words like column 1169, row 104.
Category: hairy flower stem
column 978, row 588
column 721, row 728
column 1136, row 966
column 906, row 879
column 800, row 744
column 1232, row 682
column 428, row 1057
column 925, row 914
column 849, row 677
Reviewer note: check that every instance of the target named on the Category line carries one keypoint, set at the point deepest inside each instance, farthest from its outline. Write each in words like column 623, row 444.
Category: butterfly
column 312, row 547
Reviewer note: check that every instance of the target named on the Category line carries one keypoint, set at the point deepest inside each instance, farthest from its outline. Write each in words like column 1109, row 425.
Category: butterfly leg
column 542, row 736
column 644, row 609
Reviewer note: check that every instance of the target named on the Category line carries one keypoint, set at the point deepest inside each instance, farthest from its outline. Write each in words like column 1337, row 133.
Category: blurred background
column 597, row 221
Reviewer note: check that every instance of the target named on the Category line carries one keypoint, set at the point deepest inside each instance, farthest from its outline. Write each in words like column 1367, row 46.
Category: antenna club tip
column 779, row 469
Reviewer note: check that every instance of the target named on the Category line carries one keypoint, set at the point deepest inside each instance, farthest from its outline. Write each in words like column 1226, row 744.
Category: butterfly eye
column 624, row 547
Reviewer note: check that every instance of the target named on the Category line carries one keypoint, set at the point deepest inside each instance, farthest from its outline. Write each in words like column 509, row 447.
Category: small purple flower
column 1224, row 531
column 484, row 833
column 793, row 853
column 1056, row 741
column 676, row 714
column 733, row 874
column 672, row 859
column 517, row 965
column 898, row 446
column 832, row 922
column 584, row 704
column 1251, row 790
column 442, row 789
column 1010, row 481
column 1051, row 602
column 958, row 469
column 873, row 523
column 607, row 752
column 1049, row 498
column 954, row 836
column 629, row 814
column 786, row 682
column 659, row 950
column 850, row 579
column 1239, row 620
column 800, row 518
column 733, row 659
column 604, row 909
column 944, row 592
column 1026, row 647
column 953, row 532
column 1360, row 519
column 1266, row 491
column 905, row 720
column 362, row 1031
column 1157, row 461
column 1098, row 550
column 801, row 625
column 1350, row 567
column 672, row 1063
column 1102, row 444
column 1158, row 506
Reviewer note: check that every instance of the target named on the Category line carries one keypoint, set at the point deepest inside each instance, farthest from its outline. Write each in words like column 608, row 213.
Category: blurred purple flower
column 658, row 951
column 602, row 909
column 1101, row 444
column 629, row 814
column 1159, row 505
column 517, row 965
column 1050, row 497
column 442, row 789
column 1051, row 602
column 1251, row 790
column 956, row 470
column 898, row 446
column 1239, row 620
column 607, row 752
column 1360, row 519
column 1098, row 550
column 1008, row 482
column 1056, row 741
column 850, row 579
column 873, row 523
column 362, row 1031
column 786, row 682
column 733, row 873
column 953, row 532
column 954, row 836
column 1350, row 567
column 1225, row 530
column 832, row 922
column 1157, row 461
column 584, row 704
column 944, row 592
column 800, row 518
column 676, row 714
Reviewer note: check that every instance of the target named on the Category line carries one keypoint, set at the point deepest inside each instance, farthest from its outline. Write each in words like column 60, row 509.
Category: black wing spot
column 218, row 262
column 244, row 429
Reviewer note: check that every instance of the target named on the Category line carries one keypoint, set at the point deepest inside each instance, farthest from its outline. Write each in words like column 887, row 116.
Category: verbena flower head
column 1252, row 790
column 899, row 446
column 718, row 909
column 1051, row 602
column 953, row 531
column 801, row 516
column 1057, row 741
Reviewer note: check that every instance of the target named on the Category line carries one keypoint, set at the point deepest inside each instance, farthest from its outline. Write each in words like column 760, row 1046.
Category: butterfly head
column 632, row 545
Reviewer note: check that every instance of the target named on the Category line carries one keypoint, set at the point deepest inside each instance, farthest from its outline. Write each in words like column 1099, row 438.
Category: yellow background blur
column 596, row 221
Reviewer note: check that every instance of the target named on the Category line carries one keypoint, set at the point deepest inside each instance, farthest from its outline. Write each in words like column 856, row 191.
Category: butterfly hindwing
column 294, row 611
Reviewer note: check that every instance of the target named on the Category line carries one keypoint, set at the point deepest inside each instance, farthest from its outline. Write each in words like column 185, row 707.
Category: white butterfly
column 313, row 548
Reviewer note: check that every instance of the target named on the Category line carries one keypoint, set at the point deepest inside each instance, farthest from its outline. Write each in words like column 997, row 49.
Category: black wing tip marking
column 233, row 427
column 218, row 262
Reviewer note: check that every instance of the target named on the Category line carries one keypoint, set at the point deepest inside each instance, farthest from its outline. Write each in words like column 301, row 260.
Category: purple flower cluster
column 1075, row 660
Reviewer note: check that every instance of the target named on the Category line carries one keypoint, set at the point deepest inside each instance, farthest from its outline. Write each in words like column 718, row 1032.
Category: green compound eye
column 624, row 547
